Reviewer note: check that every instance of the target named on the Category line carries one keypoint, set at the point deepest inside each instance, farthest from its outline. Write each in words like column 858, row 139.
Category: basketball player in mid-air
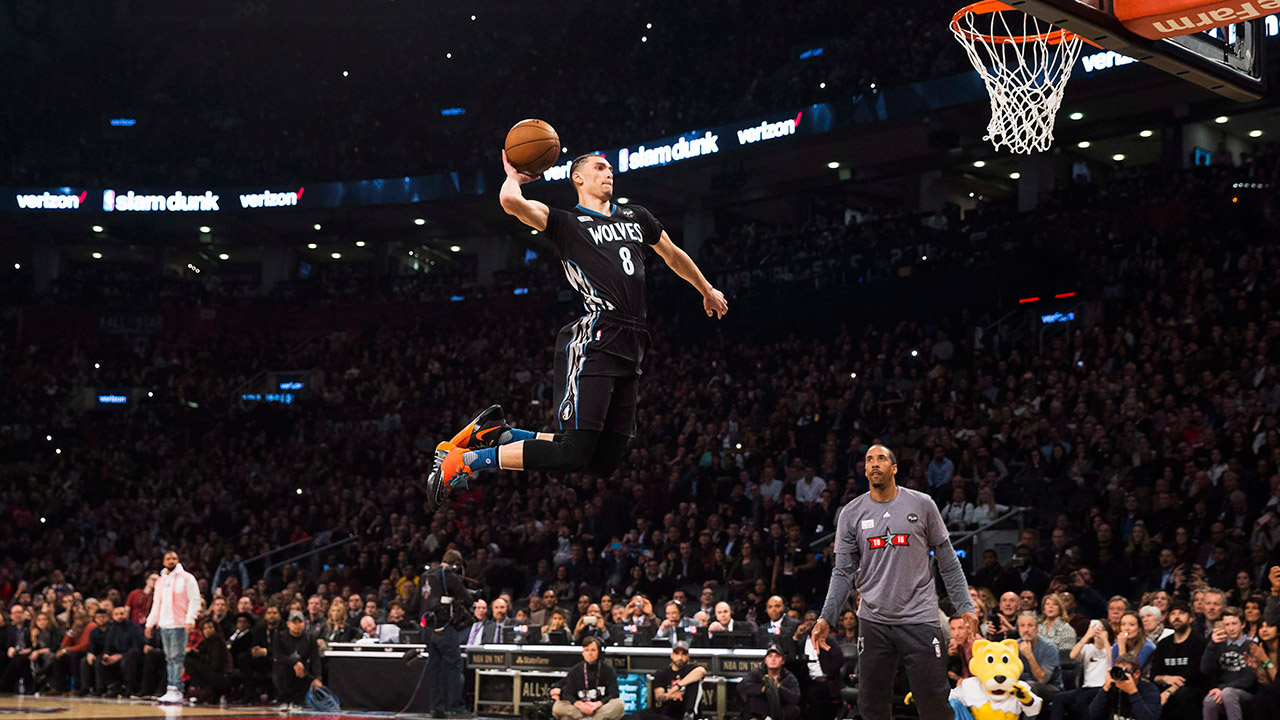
column 598, row 357
column 883, row 542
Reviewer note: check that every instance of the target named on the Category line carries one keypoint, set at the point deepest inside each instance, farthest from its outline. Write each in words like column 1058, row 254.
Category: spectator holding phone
column 1093, row 654
column 1225, row 662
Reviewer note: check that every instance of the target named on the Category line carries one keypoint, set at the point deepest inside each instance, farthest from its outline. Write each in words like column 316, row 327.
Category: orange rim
column 985, row 7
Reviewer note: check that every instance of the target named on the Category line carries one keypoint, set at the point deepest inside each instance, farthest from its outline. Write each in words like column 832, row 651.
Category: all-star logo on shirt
column 888, row 539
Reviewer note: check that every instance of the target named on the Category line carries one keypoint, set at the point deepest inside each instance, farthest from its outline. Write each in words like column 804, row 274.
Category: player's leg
column 877, row 669
column 619, row 427
column 925, row 661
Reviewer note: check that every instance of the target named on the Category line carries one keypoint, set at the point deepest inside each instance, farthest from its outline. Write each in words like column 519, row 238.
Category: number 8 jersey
column 603, row 256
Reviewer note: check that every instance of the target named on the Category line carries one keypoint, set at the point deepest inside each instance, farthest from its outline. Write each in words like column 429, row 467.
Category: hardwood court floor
column 27, row 707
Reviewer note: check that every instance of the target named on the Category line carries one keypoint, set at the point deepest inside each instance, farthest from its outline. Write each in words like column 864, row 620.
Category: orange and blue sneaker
column 449, row 471
column 483, row 431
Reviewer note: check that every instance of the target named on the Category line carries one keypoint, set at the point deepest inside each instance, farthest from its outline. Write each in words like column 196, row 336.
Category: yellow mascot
column 994, row 691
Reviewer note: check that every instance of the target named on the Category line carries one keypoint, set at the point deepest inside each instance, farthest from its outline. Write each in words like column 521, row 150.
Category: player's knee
column 577, row 448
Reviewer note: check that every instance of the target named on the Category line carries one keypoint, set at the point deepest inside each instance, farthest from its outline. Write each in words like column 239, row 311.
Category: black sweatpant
column 921, row 649
column 592, row 451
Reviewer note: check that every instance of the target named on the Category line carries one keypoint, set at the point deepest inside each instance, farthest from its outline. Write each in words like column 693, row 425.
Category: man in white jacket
column 174, row 609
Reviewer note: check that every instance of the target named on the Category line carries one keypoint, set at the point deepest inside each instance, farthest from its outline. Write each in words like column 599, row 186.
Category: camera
column 1119, row 673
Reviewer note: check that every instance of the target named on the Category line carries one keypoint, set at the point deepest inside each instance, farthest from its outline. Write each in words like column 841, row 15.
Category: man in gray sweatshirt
column 1225, row 663
column 883, row 544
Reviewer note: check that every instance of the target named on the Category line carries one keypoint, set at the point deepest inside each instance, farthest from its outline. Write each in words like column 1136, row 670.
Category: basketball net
column 1025, row 63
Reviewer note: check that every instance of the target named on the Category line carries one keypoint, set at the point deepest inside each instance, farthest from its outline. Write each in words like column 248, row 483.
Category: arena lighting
column 448, row 56
column 1145, row 134
column 17, row 266
column 1082, row 144
column 97, row 228
column 648, row 26
column 419, row 221
column 224, row 256
column 359, row 243
column 58, row 451
column 336, row 255
column 1221, row 119
column 623, row 200
column 1076, row 115
column 316, row 226
column 204, row 229
column 979, row 163
column 738, row 446
column 311, row 246
column 822, row 86
column 473, row 17
column 344, row 73
column 833, row 165
column 853, row 376
column 1024, row 301
column 924, row 257
column 1118, row 157
column 97, row 366
column 97, row 256
column 42, row 520
column 1059, row 296
column 150, row 394
column 1255, row 133
column 1015, row 175
column 299, row 491
column 454, row 248
column 915, row 353
column 644, row 38
column 533, row 232
column 49, row 438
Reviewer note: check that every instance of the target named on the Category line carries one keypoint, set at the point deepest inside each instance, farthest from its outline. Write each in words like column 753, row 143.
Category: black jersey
column 603, row 255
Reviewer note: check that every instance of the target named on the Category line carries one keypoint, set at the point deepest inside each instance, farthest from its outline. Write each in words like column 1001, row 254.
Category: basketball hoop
column 1025, row 63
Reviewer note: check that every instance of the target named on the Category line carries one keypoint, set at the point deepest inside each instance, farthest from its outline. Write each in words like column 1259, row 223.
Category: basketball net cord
column 1025, row 74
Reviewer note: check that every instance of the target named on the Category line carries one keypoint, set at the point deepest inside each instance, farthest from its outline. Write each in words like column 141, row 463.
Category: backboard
column 1227, row 61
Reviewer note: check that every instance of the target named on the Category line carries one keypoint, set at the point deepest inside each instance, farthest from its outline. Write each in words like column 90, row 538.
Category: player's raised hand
column 516, row 175
column 819, row 634
column 714, row 303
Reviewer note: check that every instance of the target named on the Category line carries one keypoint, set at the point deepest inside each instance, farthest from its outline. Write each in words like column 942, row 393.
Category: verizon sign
column 268, row 199
column 50, row 201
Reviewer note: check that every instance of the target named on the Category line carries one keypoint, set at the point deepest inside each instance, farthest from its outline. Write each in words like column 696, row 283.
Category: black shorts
column 597, row 371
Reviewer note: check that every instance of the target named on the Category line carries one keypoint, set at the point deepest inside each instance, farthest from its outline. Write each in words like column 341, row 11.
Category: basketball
column 532, row 146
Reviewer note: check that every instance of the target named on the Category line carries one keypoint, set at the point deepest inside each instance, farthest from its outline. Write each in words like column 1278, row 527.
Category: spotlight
column 419, row 221
column 359, row 243
column 1221, row 119
column 623, row 200
column 1255, row 133
column 454, row 248
column 1015, row 175
column 1118, row 157
column 833, row 165
column 311, row 246
column 97, row 228
column 1083, row 144
column 97, row 256
column 224, row 256
column 1076, row 116
column 980, row 163
column 1146, row 134
column 316, row 226
column 336, row 255
column 204, row 229
column 915, row 353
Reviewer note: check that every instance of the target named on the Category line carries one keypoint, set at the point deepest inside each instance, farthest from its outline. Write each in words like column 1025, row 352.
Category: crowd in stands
column 224, row 102
column 1143, row 442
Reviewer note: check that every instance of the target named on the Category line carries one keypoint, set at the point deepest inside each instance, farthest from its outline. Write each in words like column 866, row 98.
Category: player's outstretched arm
column 842, row 584
column 530, row 212
column 681, row 264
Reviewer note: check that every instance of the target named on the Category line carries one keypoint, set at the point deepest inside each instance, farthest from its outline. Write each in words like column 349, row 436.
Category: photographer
column 590, row 689
column 771, row 691
column 447, row 603
column 1125, row 694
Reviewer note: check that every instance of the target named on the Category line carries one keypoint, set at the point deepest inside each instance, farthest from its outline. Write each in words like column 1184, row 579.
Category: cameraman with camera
column 1125, row 694
column 447, row 603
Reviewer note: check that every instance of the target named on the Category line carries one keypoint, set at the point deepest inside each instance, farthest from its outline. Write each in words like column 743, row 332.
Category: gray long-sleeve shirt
column 882, row 550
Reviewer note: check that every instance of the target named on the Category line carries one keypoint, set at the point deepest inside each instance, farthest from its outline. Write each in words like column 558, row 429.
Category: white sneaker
column 172, row 696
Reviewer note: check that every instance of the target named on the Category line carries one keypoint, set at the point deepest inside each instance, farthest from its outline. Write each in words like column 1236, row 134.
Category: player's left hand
column 714, row 303
column 971, row 618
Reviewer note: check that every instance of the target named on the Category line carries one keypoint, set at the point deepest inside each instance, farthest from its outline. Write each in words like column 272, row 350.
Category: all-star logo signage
column 888, row 540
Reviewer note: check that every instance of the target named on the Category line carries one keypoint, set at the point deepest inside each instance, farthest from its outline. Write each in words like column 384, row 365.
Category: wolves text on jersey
column 617, row 232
